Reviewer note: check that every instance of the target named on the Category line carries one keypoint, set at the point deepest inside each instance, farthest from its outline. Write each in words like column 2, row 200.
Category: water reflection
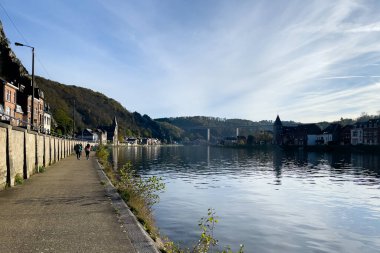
column 268, row 199
column 221, row 161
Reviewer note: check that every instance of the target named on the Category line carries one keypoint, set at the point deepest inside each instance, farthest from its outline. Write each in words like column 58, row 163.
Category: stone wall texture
column 40, row 150
column 46, row 150
column 30, row 154
column 23, row 151
column 16, row 143
column 3, row 158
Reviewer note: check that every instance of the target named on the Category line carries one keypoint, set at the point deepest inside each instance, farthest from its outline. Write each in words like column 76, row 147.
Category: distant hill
column 93, row 109
column 195, row 127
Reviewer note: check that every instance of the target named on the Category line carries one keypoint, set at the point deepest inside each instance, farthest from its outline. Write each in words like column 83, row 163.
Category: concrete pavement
column 66, row 209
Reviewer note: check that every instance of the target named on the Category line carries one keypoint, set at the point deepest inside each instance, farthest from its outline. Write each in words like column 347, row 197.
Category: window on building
column 14, row 97
column 8, row 93
column 7, row 110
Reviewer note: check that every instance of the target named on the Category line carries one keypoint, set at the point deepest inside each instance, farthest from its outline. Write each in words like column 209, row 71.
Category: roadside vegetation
column 19, row 179
column 141, row 194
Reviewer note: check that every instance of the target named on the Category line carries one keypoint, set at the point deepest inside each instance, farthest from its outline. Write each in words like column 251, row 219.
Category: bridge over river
column 237, row 128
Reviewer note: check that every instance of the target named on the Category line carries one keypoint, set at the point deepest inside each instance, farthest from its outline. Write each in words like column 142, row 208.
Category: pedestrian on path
column 78, row 150
column 87, row 150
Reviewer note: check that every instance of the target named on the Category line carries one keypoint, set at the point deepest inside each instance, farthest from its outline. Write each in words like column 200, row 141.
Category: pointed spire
column 278, row 121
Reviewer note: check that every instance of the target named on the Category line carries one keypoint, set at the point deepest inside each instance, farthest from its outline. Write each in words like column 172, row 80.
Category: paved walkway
column 64, row 209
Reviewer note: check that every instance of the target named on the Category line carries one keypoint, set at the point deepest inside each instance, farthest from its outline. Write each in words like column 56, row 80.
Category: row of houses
column 141, row 141
column 102, row 134
column 16, row 106
column 367, row 132
column 16, row 110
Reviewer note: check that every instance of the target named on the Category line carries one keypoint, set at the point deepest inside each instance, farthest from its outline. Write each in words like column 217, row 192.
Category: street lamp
column 23, row 45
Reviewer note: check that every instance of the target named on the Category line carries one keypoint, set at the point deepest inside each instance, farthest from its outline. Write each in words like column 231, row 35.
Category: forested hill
column 195, row 126
column 94, row 109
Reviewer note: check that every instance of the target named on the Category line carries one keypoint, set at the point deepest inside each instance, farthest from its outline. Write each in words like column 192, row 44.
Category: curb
column 140, row 239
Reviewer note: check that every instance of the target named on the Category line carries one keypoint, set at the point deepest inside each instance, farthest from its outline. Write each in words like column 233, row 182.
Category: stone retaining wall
column 3, row 158
column 22, row 152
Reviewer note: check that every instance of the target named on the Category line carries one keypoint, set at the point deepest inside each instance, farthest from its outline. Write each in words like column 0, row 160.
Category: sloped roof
column 332, row 128
column 278, row 122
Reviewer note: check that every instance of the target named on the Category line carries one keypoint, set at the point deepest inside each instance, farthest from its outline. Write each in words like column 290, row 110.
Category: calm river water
column 269, row 200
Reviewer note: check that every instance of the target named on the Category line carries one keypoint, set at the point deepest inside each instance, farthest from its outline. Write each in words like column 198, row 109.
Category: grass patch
column 19, row 179
column 40, row 169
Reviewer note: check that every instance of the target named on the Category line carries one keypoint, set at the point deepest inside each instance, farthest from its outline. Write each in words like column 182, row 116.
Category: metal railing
column 7, row 119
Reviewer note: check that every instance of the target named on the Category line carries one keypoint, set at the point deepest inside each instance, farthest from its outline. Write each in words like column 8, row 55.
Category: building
column 367, row 132
column 345, row 135
column 371, row 132
column 112, row 132
column 89, row 135
column 39, row 105
column 131, row 141
column 102, row 136
column 277, row 131
column 19, row 116
column 300, row 135
column 16, row 106
column 8, row 100
column 25, row 101
column 150, row 141
column 46, row 124
column 357, row 134
column 330, row 135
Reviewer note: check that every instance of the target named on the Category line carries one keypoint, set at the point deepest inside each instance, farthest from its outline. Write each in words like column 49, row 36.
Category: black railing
column 7, row 119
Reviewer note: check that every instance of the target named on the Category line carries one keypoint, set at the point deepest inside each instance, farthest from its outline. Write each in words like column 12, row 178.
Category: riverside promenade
column 68, row 209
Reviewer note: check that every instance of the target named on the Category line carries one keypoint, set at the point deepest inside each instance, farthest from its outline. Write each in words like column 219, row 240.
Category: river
column 268, row 199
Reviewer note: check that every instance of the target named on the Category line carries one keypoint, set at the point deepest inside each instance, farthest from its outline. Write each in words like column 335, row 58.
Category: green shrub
column 40, row 169
column 207, row 242
column 140, row 194
column 19, row 179
column 103, row 155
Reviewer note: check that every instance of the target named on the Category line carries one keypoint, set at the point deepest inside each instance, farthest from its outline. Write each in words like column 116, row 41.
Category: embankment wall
column 23, row 152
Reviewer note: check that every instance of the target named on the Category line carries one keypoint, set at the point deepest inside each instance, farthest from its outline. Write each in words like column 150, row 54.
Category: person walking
column 80, row 150
column 87, row 149
column 77, row 150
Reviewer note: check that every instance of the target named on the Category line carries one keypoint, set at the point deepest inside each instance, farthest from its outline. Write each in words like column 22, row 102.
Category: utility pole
column 74, row 120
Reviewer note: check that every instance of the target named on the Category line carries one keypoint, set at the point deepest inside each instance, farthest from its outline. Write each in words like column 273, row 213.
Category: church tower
column 277, row 131
column 115, row 133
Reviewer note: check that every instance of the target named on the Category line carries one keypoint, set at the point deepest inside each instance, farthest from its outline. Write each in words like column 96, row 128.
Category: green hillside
column 93, row 109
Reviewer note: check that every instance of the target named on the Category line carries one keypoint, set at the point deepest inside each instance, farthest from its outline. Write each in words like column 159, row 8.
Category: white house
column 357, row 136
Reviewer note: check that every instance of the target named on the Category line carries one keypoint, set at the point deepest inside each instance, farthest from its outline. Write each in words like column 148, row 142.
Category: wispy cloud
column 251, row 59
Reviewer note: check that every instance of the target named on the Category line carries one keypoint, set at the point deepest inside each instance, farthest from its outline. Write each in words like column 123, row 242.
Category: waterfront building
column 112, row 132
column 8, row 100
column 300, row 135
column 366, row 132
column 89, row 135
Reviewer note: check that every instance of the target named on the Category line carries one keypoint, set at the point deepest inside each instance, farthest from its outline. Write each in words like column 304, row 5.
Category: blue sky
column 304, row 60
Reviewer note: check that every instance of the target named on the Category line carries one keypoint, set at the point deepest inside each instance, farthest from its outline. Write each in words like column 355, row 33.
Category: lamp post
column 23, row 45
